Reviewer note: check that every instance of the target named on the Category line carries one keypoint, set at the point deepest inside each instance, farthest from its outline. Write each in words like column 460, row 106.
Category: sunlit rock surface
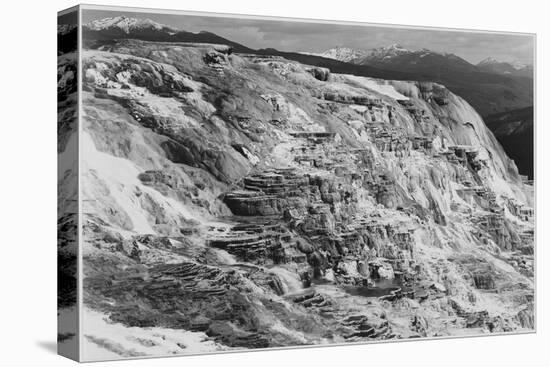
column 253, row 202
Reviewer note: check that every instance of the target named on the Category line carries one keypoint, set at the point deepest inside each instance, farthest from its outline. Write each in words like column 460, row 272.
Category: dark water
column 382, row 287
column 320, row 281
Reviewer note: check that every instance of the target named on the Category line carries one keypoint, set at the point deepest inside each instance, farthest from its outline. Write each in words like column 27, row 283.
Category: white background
column 28, row 182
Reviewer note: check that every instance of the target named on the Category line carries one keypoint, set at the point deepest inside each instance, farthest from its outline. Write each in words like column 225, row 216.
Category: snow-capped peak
column 127, row 24
column 342, row 53
column 380, row 54
column 490, row 61
column 388, row 51
column 396, row 47
column 518, row 65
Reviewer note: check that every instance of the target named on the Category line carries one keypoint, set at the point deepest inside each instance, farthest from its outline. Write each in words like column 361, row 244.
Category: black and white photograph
column 231, row 183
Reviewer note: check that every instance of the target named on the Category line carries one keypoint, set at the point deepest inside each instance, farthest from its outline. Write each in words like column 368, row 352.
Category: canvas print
column 234, row 183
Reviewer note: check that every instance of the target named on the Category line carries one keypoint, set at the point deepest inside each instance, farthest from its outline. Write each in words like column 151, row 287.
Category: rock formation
column 263, row 203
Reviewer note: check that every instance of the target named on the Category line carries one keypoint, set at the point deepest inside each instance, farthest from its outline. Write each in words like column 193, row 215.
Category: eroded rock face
column 318, row 73
column 268, row 203
column 252, row 203
column 484, row 280
column 526, row 317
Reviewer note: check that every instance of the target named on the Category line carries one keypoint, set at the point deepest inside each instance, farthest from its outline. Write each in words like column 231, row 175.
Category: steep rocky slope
column 251, row 201
column 515, row 131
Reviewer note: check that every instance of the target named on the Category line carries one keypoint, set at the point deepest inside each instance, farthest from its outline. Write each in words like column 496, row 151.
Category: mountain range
column 492, row 65
column 121, row 27
column 396, row 56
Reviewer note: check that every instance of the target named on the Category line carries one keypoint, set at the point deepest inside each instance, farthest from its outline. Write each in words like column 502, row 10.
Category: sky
column 317, row 37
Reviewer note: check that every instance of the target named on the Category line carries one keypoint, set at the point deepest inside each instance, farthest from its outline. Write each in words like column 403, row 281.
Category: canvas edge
column 71, row 323
column 535, row 180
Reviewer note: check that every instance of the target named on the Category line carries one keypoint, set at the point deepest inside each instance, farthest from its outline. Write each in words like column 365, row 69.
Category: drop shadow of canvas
column 48, row 345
